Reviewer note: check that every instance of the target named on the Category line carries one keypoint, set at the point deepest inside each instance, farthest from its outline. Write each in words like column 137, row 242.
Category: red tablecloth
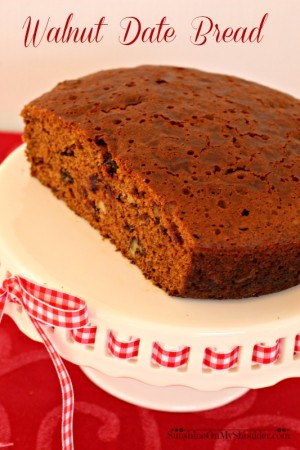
column 30, row 405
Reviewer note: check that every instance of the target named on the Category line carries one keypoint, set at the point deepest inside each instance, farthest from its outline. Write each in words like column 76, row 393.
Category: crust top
column 223, row 151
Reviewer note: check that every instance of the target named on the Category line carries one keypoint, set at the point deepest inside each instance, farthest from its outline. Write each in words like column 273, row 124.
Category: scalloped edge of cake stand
column 168, row 398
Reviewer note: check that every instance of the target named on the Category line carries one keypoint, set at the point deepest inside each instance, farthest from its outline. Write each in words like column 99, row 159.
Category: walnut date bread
column 193, row 176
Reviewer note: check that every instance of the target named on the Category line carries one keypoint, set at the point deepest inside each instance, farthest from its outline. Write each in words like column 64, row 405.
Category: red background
column 30, row 404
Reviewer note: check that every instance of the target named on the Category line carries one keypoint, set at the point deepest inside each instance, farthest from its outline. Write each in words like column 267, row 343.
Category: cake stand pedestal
column 42, row 240
column 163, row 398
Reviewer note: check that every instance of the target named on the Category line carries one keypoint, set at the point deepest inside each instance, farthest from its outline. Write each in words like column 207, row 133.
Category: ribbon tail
column 66, row 389
column 2, row 302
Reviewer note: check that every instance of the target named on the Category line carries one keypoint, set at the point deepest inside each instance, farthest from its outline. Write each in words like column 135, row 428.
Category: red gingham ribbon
column 220, row 361
column 297, row 344
column 58, row 309
column 85, row 335
column 169, row 358
column 264, row 354
column 120, row 349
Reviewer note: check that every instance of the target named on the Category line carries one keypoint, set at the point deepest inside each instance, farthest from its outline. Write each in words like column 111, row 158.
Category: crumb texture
column 195, row 177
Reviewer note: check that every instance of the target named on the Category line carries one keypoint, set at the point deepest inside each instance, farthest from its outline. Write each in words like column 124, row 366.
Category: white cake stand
column 43, row 240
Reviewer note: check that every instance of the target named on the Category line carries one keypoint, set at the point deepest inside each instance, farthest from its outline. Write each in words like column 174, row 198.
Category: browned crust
column 198, row 174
